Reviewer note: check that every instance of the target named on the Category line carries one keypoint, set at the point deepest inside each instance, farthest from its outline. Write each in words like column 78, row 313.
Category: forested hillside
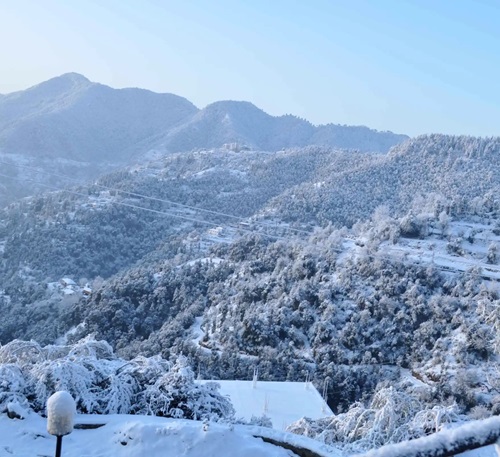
column 374, row 275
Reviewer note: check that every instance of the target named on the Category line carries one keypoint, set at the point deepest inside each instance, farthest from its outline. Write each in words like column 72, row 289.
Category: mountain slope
column 402, row 307
column 244, row 123
column 454, row 169
column 99, row 231
column 70, row 125
column 72, row 118
column 204, row 198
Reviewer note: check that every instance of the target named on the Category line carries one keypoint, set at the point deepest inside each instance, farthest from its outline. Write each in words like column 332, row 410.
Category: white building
column 282, row 402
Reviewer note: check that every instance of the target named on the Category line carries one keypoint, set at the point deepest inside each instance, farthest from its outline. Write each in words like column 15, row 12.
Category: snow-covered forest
column 375, row 275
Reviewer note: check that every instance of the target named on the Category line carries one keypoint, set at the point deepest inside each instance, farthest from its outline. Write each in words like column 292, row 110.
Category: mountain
column 459, row 171
column 204, row 198
column 238, row 122
column 72, row 118
column 70, row 125
column 244, row 123
column 101, row 229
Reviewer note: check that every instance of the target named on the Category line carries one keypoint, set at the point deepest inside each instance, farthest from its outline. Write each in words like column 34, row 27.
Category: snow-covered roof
column 282, row 402
column 68, row 282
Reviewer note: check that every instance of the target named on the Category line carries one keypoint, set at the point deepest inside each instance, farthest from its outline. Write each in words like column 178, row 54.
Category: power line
column 164, row 213
column 135, row 194
column 213, row 224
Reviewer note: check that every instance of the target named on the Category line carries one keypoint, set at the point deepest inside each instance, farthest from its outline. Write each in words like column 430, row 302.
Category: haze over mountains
column 71, row 125
column 70, row 116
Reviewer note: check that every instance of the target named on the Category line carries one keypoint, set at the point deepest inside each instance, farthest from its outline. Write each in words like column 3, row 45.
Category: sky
column 409, row 66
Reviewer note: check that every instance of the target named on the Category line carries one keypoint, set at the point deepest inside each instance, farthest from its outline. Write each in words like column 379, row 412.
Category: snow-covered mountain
column 243, row 123
column 374, row 275
column 71, row 125
column 460, row 169
column 70, row 117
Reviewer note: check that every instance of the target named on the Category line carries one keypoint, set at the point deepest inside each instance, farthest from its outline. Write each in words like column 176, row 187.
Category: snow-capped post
column 61, row 410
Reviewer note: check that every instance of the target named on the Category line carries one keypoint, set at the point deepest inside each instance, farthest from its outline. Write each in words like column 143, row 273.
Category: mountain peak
column 67, row 82
column 74, row 77
column 231, row 105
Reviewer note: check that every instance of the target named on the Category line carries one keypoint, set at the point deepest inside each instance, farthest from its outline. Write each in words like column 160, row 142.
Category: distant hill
column 244, row 123
column 95, row 231
column 72, row 118
column 71, row 125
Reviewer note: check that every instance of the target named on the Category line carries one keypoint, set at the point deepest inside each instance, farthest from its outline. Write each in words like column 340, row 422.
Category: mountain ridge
column 71, row 87
column 71, row 125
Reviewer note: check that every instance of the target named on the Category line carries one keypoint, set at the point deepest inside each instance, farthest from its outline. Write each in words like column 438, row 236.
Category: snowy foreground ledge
column 446, row 443
column 139, row 436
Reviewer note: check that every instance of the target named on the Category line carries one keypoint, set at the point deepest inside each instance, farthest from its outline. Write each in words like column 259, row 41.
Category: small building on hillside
column 282, row 402
column 235, row 147
column 67, row 282
column 87, row 291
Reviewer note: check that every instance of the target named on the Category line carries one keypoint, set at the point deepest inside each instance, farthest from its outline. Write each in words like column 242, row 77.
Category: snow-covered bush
column 12, row 386
column 392, row 416
column 21, row 352
column 102, row 383
column 261, row 421
column 176, row 394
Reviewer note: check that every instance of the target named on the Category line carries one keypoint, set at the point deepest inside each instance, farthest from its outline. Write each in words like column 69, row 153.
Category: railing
column 446, row 443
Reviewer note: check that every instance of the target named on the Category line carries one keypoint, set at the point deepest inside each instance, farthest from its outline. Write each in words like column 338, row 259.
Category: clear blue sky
column 411, row 66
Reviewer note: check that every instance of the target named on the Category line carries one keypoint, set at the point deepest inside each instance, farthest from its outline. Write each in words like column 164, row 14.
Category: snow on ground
column 196, row 331
column 139, row 436
column 434, row 252
column 67, row 287
column 282, row 402
column 487, row 451
column 462, row 246
column 204, row 260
